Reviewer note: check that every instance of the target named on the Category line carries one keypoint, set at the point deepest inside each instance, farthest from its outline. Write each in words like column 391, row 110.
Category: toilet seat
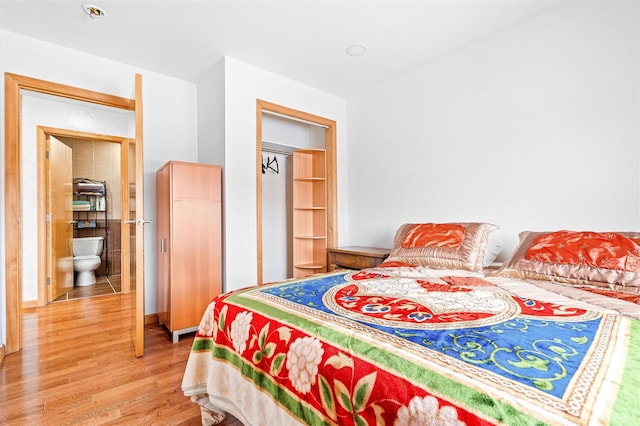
column 86, row 257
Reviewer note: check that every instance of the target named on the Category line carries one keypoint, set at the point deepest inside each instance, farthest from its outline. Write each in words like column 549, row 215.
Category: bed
column 431, row 337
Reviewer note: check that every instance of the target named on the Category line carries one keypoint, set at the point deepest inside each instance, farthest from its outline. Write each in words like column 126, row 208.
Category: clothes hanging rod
column 277, row 148
column 288, row 117
column 277, row 151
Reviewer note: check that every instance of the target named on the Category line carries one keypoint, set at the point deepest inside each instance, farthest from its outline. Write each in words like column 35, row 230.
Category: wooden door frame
column 14, row 83
column 330, row 147
column 43, row 133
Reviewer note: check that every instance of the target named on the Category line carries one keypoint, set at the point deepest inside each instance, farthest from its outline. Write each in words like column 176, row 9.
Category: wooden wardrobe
column 189, row 226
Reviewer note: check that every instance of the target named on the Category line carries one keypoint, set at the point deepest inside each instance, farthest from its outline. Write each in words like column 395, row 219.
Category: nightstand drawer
column 356, row 257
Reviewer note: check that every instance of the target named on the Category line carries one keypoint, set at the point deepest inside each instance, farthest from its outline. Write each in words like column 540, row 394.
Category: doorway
column 263, row 107
column 14, row 86
column 95, row 157
column 283, row 140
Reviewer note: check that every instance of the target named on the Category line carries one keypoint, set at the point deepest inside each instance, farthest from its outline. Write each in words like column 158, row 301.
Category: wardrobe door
column 196, row 241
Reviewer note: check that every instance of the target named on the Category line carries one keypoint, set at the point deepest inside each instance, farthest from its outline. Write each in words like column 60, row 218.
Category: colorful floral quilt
column 369, row 348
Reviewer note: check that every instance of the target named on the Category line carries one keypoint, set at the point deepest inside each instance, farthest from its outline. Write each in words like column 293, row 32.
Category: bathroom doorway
column 94, row 157
column 16, row 215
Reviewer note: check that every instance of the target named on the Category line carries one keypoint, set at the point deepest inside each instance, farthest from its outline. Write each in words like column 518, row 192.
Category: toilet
column 86, row 259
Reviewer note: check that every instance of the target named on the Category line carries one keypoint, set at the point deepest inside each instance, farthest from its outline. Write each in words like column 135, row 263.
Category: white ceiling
column 302, row 40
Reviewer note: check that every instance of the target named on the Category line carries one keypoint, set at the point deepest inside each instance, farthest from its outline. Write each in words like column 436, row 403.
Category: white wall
column 277, row 204
column 211, row 125
column 534, row 128
column 170, row 113
column 244, row 84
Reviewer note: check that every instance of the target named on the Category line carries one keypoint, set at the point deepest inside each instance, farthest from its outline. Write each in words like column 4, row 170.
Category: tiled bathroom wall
column 100, row 160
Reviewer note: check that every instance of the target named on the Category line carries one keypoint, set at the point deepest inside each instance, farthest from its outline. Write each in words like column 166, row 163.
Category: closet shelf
column 310, row 212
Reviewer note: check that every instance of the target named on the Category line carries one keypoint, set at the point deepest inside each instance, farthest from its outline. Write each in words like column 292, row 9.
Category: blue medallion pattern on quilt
column 513, row 338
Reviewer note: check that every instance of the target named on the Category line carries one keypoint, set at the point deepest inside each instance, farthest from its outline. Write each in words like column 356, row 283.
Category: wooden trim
column 76, row 134
column 13, row 213
column 70, row 92
column 13, row 184
column 290, row 112
column 331, row 159
column 332, row 185
column 259, row 188
column 3, row 352
column 44, row 203
column 30, row 304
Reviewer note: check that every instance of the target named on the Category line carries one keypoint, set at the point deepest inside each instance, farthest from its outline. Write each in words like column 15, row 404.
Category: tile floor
column 103, row 286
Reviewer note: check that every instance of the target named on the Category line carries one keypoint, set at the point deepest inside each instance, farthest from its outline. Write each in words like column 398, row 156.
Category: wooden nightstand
column 356, row 257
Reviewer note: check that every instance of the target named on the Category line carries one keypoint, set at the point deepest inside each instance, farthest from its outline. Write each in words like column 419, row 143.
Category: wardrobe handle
column 163, row 248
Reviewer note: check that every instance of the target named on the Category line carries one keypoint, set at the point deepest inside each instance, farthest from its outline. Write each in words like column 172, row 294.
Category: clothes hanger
column 270, row 164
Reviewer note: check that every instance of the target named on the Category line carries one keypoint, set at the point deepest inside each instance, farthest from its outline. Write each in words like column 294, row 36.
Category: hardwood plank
column 78, row 367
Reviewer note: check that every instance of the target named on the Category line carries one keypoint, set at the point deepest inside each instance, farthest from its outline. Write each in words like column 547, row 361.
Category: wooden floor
column 103, row 286
column 78, row 367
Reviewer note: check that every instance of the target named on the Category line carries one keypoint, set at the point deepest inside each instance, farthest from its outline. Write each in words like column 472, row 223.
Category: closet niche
column 293, row 199
column 97, row 197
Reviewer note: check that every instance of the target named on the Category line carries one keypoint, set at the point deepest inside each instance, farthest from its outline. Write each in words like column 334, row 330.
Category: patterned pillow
column 459, row 245
column 603, row 259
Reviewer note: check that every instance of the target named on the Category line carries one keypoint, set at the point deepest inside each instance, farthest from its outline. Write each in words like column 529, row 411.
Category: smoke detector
column 94, row 11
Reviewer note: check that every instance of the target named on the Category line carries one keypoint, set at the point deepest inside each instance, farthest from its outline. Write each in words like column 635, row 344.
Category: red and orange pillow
column 459, row 245
column 604, row 259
